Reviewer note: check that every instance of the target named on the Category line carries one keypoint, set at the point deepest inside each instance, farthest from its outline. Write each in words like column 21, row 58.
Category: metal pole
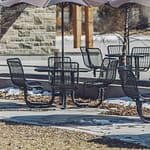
column 128, row 38
column 62, row 31
column 62, row 53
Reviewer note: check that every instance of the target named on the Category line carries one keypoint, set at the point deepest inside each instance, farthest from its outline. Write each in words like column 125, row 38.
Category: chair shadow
column 50, row 118
column 115, row 141
column 11, row 105
column 15, row 106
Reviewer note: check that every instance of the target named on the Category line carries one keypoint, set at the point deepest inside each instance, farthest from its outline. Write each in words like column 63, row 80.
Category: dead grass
column 25, row 137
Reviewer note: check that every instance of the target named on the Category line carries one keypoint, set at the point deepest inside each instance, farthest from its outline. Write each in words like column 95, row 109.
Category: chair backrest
column 128, row 82
column 66, row 76
column 92, row 57
column 108, row 70
column 16, row 72
column 85, row 56
column 52, row 60
column 144, row 62
column 115, row 49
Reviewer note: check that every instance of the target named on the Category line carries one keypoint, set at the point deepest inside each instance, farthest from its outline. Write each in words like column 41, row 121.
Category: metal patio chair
column 18, row 79
column 51, row 61
column 92, row 58
column 65, row 78
column 107, row 75
column 130, row 88
column 115, row 49
column 140, row 60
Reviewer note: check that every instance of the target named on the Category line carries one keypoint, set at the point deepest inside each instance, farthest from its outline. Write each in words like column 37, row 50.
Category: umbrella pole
column 62, row 31
column 127, row 24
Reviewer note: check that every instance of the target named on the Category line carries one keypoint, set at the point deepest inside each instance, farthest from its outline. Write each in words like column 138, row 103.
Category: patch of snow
column 11, row 91
column 15, row 91
column 101, row 121
column 123, row 101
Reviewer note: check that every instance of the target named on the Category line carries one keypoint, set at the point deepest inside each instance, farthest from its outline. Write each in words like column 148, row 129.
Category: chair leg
column 97, row 101
column 143, row 117
column 37, row 104
column 64, row 100
column 102, row 94
column 75, row 101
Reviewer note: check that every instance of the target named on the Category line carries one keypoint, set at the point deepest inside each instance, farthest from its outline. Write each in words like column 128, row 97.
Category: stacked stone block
column 27, row 30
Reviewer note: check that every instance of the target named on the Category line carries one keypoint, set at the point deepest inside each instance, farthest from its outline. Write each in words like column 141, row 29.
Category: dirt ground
column 28, row 137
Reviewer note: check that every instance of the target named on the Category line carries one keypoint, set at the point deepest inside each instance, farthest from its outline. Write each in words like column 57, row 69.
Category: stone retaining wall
column 27, row 30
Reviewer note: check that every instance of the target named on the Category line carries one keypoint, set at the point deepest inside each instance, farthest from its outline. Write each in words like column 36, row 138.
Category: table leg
column 63, row 98
column 120, row 61
column 137, row 73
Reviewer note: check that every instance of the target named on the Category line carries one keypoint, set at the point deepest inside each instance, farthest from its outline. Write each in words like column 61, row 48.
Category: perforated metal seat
column 130, row 88
column 18, row 78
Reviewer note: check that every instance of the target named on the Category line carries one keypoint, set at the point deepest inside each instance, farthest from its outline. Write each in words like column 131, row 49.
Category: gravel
column 25, row 137
column 28, row 137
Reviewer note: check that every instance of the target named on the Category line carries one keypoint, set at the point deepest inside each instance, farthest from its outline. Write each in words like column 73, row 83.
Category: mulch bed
column 112, row 109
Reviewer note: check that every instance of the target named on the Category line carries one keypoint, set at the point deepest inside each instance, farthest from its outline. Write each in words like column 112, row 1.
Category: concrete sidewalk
column 130, row 129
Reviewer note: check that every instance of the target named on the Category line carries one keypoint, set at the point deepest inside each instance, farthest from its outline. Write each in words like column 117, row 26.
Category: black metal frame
column 115, row 49
column 139, row 60
column 92, row 58
column 130, row 88
column 51, row 62
column 18, row 78
column 144, row 62
column 65, row 79
column 116, row 52
column 107, row 75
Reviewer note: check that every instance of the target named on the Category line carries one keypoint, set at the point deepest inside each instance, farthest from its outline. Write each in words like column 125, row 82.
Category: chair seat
column 94, row 84
column 146, row 96
column 33, row 84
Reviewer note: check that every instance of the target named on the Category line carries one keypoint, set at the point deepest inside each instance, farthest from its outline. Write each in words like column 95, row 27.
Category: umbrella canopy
column 118, row 3
column 9, row 3
column 41, row 3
